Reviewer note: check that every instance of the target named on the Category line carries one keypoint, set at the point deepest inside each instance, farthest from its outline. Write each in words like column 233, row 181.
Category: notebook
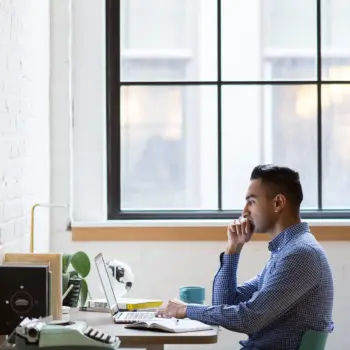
column 126, row 303
column 171, row 325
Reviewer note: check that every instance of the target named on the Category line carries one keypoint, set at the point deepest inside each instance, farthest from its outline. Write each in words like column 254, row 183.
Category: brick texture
column 24, row 98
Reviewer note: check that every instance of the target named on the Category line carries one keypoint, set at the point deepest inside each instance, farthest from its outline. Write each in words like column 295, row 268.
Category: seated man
column 294, row 291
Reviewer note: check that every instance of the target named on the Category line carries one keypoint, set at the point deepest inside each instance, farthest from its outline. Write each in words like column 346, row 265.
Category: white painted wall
column 160, row 268
column 24, row 121
column 60, row 111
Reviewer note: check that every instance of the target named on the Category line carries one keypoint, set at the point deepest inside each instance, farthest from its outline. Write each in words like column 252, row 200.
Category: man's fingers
column 248, row 227
column 163, row 309
column 235, row 227
column 162, row 313
column 243, row 224
column 175, row 300
column 238, row 227
column 231, row 230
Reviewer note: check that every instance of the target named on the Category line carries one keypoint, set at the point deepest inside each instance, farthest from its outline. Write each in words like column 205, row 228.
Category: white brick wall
column 24, row 119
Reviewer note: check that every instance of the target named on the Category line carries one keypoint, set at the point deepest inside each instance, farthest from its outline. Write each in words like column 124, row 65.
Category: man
column 292, row 294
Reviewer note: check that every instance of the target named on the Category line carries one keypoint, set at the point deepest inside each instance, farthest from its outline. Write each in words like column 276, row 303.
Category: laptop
column 118, row 316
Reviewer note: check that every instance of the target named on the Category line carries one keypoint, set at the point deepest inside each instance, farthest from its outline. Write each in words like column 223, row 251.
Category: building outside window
column 171, row 140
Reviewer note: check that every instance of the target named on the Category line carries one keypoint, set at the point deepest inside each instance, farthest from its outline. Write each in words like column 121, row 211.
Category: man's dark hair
column 282, row 180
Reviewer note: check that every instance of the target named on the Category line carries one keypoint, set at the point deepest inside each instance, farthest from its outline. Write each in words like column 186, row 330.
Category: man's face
column 260, row 206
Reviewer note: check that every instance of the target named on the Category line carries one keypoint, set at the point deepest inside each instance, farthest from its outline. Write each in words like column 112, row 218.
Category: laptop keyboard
column 139, row 316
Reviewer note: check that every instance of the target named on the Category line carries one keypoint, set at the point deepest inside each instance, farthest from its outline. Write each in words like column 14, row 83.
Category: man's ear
column 280, row 202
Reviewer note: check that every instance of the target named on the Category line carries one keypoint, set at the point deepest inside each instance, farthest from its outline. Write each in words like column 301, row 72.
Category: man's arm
column 225, row 289
column 296, row 275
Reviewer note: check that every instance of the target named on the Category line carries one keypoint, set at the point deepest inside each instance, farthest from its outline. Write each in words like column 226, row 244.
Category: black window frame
column 113, row 87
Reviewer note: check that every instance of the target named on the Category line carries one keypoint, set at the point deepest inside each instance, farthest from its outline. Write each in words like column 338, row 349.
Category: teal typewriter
column 62, row 335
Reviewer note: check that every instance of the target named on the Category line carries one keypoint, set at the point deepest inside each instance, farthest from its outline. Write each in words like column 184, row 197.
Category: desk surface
column 129, row 337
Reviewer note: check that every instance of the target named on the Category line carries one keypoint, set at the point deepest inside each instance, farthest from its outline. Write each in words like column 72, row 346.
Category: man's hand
column 175, row 308
column 239, row 232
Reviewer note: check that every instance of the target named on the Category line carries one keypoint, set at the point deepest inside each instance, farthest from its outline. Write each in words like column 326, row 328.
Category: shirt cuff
column 196, row 312
column 229, row 259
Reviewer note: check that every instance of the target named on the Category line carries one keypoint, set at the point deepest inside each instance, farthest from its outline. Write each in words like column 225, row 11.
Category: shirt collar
column 285, row 236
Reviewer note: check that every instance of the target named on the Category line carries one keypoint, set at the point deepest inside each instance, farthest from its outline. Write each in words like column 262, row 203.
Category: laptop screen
column 106, row 283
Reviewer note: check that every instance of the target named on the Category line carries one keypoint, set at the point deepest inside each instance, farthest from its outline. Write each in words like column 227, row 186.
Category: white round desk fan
column 121, row 276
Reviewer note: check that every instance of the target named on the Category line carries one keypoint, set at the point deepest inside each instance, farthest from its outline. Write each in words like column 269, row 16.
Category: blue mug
column 192, row 295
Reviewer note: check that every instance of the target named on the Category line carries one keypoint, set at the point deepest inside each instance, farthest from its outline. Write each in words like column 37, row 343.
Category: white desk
column 149, row 340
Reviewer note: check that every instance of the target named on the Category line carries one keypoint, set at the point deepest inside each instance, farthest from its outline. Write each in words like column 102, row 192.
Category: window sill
column 188, row 230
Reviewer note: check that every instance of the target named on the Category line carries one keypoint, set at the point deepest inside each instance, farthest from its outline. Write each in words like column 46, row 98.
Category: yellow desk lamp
column 44, row 205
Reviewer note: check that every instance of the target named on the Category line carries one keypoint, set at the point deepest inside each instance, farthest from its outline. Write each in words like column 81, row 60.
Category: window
column 201, row 91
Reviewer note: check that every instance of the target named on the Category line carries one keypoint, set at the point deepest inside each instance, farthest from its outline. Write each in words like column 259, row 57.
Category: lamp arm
column 47, row 205
column 32, row 227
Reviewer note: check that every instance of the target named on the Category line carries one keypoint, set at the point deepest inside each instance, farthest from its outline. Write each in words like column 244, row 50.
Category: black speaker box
column 24, row 292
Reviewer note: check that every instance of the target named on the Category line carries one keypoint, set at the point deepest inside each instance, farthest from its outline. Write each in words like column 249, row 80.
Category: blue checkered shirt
column 293, row 293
